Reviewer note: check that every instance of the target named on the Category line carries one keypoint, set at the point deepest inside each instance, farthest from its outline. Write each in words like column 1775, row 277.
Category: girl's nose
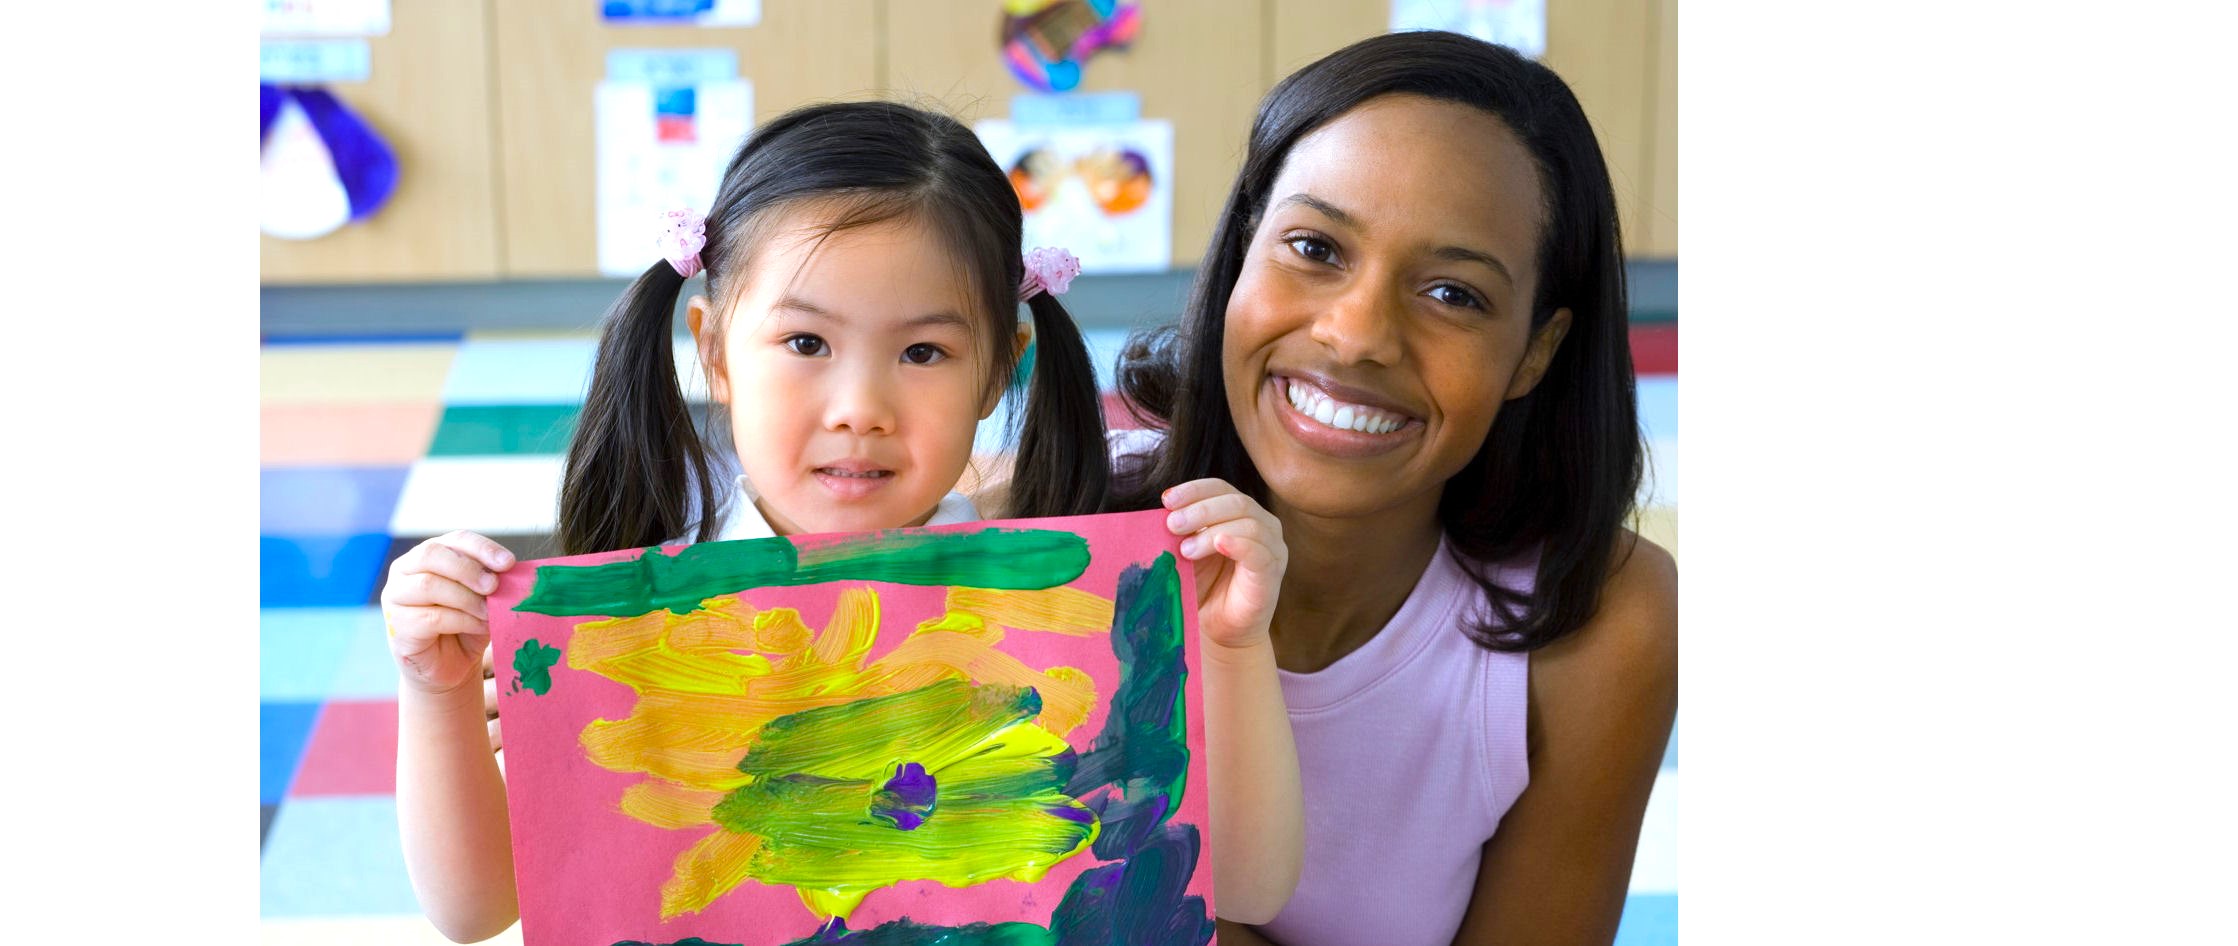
column 860, row 402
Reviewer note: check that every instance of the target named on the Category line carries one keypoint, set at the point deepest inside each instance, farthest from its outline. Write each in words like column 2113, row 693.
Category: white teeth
column 1347, row 417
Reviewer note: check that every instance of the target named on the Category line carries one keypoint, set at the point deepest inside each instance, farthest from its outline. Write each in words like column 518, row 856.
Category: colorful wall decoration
column 983, row 733
column 1044, row 42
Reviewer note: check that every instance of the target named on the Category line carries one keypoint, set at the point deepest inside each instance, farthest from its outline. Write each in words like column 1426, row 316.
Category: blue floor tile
column 282, row 731
column 304, row 653
column 1659, row 408
column 1650, row 919
column 337, row 856
column 367, row 671
column 320, row 571
column 328, row 500
column 521, row 371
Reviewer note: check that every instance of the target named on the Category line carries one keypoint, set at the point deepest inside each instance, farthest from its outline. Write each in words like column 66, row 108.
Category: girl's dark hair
column 638, row 472
column 1560, row 467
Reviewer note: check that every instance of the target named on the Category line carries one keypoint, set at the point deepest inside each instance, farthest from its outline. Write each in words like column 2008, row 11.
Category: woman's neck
column 1346, row 578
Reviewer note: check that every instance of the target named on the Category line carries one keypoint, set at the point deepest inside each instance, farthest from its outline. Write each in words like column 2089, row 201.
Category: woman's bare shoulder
column 1620, row 670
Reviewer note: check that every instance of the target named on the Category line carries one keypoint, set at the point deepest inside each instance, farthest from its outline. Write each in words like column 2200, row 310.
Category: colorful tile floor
column 370, row 445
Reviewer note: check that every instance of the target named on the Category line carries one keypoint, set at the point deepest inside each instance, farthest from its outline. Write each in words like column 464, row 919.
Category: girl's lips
column 1300, row 406
column 853, row 480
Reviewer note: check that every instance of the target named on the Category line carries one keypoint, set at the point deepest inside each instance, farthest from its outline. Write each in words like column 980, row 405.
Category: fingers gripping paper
column 983, row 733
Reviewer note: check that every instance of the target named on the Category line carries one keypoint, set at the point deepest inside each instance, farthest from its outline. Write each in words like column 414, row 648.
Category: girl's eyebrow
column 805, row 307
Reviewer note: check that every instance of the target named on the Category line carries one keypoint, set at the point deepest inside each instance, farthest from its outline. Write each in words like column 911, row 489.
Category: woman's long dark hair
column 638, row 472
column 1559, row 470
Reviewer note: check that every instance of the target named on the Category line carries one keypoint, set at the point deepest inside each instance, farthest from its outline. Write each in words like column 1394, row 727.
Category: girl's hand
column 1237, row 545
column 436, row 605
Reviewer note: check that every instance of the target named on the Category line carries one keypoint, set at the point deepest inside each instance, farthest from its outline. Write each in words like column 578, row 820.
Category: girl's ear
column 710, row 354
column 1544, row 342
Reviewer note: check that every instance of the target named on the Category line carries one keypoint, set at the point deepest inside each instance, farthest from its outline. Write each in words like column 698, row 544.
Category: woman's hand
column 1237, row 545
column 436, row 605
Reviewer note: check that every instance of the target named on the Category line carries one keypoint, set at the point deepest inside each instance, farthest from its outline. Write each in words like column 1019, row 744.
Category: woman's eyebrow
column 1458, row 254
column 1462, row 254
column 1325, row 208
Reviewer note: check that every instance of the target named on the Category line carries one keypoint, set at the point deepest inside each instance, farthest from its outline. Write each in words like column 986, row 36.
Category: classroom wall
column 488, row 105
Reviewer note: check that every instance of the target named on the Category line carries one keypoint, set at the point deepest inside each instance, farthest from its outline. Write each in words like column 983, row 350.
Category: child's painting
column 1103, row 191
column 983, row 733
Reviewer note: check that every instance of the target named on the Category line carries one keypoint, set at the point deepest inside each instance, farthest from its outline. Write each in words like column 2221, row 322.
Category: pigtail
column 1063, row 462
column 637, row 473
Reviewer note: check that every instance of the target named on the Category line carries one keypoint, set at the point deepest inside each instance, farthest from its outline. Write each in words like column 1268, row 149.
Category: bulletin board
column 427, row 94
column 550, row 57
column 1197, row 65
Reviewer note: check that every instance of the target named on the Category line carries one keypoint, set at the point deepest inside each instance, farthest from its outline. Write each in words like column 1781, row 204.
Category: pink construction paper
column 589, row 875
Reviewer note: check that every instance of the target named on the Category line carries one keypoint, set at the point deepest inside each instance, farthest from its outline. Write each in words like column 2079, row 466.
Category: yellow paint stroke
column 662, row 803
column 707, row 870
column 707, row 682
column 1056, row 610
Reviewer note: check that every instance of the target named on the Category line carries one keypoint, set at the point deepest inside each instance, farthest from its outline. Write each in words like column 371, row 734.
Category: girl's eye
column 1456, row 296
column 1312, row 248
column 808, row 345
column 923, row 353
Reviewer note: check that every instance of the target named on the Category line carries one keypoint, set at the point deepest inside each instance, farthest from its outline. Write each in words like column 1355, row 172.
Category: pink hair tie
column 1048, row 269
column 683, row 235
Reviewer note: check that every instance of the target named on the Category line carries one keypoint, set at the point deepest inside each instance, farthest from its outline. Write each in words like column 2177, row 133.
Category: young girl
column 859, row 320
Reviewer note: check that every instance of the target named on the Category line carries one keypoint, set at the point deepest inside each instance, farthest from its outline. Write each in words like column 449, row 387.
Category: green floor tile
column 503, row 429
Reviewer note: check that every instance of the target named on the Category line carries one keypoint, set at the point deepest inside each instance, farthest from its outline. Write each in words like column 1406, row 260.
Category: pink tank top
column 1411, row 749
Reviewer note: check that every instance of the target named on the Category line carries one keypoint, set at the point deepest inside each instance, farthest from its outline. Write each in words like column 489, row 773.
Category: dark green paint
column 532, row 667
column 985, row 558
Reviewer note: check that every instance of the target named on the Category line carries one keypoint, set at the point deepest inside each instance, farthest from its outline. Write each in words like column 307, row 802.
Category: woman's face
column 1383, row 311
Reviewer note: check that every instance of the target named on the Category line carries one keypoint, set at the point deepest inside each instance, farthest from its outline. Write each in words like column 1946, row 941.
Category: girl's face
column 1383, row 310
column 850, row 368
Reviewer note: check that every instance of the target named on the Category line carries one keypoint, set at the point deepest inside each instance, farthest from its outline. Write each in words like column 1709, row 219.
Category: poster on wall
column 982, row 733
column 680, row 12
column 325, row 18
column 1517, row 24
column 1102, row 189
column 661, row 148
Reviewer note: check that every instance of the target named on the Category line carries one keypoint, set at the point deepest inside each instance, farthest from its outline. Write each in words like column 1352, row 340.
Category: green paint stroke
column 905, row 932
column 986, row 558
column 1134, row 773
column 1001, row 810
column 532, row 667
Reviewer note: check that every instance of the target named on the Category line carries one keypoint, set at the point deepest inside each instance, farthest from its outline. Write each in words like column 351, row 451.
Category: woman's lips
column 1330, row 424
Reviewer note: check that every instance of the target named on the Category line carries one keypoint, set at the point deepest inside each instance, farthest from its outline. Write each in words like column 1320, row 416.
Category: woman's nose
column 1361, row 325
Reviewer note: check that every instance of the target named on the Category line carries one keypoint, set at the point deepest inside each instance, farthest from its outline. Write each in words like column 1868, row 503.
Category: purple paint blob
column 1070, row 813
column 907, row 798
column 912, row 785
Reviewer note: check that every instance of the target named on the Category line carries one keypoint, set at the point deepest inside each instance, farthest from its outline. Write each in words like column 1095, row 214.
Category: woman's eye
column 923, row 353
column 1453, row 295
column 1313, row 249
column 808, row 345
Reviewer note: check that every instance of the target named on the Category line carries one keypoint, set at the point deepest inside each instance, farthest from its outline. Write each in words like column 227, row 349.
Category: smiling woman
column 1408, row 341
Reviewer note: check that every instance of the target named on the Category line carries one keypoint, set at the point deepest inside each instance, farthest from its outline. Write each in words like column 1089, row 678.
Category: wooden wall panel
column 1198, row 65
column 1603, row 49
column 550, row 57
column 1661, row 238
column 489, row 104
column 428, row 95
